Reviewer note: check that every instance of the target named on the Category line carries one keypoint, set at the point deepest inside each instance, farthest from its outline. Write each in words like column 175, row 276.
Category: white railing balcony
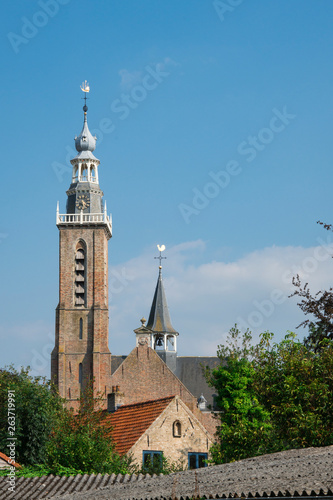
column 82, row 218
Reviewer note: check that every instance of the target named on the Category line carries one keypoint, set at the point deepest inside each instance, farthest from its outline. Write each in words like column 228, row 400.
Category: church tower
column 159, row 334
column 81, row 351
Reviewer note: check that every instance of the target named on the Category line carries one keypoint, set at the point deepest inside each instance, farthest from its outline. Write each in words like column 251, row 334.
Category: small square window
column 197, row 460
column 152, row 461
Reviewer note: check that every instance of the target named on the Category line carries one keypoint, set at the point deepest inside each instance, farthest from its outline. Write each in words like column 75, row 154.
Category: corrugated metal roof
column 294, row 473
column 40, row 488
column 129, row 422
column 159, row 318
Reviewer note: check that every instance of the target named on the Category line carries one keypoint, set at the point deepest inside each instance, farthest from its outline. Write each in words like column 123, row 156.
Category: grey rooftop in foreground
column 294, row 473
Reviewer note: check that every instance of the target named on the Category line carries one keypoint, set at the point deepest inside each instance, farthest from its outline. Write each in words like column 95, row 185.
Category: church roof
column 85, row 155
column 159, row 318
column 129, row 422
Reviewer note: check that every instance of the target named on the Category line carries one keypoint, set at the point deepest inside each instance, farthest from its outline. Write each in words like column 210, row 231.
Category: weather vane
column 85, row 88
column 161, row 249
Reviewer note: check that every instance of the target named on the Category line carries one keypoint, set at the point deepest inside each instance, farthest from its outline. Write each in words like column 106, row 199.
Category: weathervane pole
column 161, row 249
column 85, row 88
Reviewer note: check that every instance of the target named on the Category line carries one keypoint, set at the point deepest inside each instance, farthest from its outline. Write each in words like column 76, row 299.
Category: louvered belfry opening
column 80, row 282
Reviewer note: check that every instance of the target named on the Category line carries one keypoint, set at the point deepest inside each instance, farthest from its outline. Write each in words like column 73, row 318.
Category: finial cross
column 85, row 88
column 85, row 99
column 161, row 249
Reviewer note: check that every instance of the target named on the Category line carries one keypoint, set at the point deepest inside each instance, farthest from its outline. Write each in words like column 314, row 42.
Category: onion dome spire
column 85, row 141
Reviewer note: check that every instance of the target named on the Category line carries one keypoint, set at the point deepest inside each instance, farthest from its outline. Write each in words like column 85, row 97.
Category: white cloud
column 205, row 299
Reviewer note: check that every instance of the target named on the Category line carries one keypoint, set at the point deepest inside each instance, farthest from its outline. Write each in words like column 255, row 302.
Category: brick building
column 165, row 426
column 152, row 370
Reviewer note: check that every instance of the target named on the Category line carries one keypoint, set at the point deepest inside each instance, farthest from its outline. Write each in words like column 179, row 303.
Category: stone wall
column 161, row 435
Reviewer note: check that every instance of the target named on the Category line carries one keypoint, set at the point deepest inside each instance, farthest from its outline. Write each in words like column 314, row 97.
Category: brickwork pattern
column 144, row 376
column 92, row 350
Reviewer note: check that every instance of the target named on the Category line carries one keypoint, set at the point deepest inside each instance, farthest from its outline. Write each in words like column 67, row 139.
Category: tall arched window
column 177, row 429
column 93, row 174
column 81, row 329
column 79, row 284
column 80, row 373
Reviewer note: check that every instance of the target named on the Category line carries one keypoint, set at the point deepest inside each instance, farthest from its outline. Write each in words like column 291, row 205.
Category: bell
column 159, row 342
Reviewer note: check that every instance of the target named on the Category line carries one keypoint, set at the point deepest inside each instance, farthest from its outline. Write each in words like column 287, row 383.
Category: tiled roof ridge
column 147, row 401
column 4, row 457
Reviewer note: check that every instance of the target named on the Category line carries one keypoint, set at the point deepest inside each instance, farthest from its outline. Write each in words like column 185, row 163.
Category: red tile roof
column 131, row 421
column 4, row 457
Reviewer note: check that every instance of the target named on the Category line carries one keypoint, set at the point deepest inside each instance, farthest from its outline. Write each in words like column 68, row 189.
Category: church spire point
column 85, row 141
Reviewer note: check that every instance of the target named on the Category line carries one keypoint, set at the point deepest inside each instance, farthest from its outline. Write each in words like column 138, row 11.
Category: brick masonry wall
column 144, row 376
column 92, row 350
column 159, row 437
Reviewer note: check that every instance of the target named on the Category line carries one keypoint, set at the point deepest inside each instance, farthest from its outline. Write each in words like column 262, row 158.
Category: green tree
column 296, row 386
column 272, row 396
column 320, row 308
column 245, row 428
column 35, row 408
column 83, row 441
column 52, row 439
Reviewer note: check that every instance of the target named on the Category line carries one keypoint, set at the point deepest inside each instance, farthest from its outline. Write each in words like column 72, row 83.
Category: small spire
column 85, row 88
column 85, row 141
column 159, row 318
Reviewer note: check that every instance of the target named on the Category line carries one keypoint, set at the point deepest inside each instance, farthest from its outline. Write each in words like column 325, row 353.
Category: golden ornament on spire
column 85, row 86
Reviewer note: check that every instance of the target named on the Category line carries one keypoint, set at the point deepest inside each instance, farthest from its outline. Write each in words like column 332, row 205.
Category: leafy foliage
column 320, row 306
column 296, row 386
column 161, row 465
column 51, row 439
column 272, row 398
column 36, row 406
column 83, row 441
column 42, row 470
column 245, row 427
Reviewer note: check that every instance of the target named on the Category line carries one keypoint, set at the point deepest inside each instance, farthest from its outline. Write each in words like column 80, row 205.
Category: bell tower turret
column 163, row 336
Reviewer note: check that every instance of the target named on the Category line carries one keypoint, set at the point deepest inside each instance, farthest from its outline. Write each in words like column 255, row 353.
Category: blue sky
column 224, row 156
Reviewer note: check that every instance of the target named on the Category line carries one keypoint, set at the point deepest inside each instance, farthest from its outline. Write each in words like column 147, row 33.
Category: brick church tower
column 81, row 338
